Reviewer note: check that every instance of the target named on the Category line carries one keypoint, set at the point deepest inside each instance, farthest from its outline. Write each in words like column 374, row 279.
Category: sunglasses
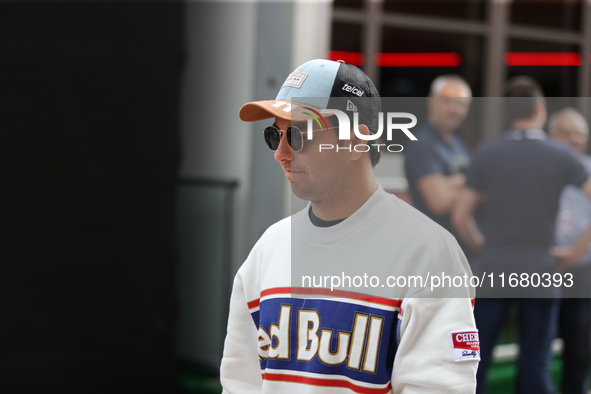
column 295, row 137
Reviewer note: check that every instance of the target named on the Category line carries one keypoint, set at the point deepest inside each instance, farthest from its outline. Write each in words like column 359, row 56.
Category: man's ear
column 540, row 113
column 356, row 154
column 429, row 102
column 363, row 129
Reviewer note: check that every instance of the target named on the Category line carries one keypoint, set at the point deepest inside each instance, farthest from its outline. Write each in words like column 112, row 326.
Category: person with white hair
column 574, row 214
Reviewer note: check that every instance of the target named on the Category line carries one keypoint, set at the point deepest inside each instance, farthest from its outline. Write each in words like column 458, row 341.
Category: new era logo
column 351, row 107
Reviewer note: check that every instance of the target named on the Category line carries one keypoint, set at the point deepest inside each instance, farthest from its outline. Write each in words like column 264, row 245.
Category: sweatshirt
column 384, row 328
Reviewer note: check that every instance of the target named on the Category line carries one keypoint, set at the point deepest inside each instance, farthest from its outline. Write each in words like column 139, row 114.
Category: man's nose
column 283, row 151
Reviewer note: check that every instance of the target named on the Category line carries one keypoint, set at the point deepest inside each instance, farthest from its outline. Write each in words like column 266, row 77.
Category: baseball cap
column 320, row 84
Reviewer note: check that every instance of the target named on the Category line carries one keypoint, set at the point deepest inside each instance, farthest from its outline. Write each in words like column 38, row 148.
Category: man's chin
column 454, row 124
column 301, row 191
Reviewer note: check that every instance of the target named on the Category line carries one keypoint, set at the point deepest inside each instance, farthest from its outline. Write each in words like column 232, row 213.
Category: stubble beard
column 325, row 191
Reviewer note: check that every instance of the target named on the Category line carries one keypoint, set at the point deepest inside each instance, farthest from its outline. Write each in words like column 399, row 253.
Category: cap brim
column 290, row 110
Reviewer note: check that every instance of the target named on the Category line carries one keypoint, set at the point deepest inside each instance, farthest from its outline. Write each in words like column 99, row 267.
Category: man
column 574, row 214
column 286, row 335
column 521, row 178
column 436, row 164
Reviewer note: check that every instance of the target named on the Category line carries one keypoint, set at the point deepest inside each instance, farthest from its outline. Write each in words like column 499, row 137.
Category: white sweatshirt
column 287, row 338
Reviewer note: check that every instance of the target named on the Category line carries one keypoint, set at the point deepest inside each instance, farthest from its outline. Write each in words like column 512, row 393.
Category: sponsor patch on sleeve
column 465, row 345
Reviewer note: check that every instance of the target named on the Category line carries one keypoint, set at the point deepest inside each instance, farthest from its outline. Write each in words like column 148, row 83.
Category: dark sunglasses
column 295, row 137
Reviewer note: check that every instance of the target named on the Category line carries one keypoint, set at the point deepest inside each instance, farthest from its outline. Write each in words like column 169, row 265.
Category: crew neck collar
column 316, row 221
column 304, row 228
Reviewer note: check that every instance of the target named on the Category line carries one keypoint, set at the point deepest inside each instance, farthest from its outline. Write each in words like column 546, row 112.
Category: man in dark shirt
column 521, row 177
column 436, row 164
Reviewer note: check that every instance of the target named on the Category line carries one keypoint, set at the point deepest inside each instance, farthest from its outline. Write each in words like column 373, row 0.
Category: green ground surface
column 502, row 376
column 199, row 382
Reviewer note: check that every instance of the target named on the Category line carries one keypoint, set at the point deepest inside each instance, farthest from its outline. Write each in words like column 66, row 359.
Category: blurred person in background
column 574, row 214
column 437, row 163
column 521, row 178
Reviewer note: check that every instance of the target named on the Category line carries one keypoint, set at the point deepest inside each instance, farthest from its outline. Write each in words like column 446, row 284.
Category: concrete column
column 372, row 38
column 495, row 69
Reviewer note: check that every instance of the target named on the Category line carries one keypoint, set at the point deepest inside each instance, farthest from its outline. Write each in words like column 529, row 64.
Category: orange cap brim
column 289, row 110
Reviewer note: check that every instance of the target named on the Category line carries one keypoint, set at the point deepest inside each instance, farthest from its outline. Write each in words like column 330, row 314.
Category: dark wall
column 89, row 103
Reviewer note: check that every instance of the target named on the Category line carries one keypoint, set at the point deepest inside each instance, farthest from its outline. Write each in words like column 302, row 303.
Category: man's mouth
column 291, row 171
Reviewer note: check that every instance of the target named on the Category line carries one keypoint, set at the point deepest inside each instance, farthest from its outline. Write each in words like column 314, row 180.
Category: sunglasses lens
column 272, row 137
column 294, row 137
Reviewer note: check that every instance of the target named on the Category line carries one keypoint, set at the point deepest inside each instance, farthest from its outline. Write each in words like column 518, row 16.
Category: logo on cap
column 353, row 90
column 351, row 107
column 295, row 79
column 315, row 118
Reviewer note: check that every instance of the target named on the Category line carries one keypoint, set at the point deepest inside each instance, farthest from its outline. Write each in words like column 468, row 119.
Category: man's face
column 449, row 108
column 314, row 175
column 572, row 133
